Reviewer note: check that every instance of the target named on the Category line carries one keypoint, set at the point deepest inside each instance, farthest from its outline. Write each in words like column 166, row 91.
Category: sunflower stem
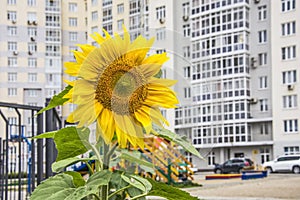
column 96, row 151
column 105, row 166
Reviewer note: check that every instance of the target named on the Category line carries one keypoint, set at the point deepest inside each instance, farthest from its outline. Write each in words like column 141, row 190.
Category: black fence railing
column 25, row 162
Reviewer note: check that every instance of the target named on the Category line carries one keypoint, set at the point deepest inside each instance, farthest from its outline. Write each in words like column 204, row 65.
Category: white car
column 286, row 163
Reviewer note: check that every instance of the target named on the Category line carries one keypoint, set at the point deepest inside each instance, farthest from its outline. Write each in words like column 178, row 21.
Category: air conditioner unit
column 253, row 100
column 30, row 52
column 14, row 21
column 162, row 20
column 32, row 39
column 256, row 1
column 15, row 53
column 29, row 22
column 185, row 18
column 35, row 23
column 290, row 87
column 253, row 62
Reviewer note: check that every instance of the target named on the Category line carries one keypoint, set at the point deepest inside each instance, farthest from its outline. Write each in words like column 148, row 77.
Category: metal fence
column 25, row 162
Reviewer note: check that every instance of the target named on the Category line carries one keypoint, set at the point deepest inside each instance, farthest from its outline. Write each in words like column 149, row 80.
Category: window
column 11, row 30
column 134, row 6
column 12, row 62
column 72, row 7
column 72, row 21
column 32, row 62
column 12, row 46
column 120, row 24
column 290, row 126
column 134, row 22
column 262, row 13
column 290, row 150
column 94, row 2
column 31, row 2
column 288, row 28
column 12, row 15
column 32, row 93
column 32, row 47
column 263, row 82
column 32, row 32
column 288, row 52
column 12, row 77
column 289, row 77
column 211, row 158
column 12, row 120
column 262, row 36
column 263, row 103
column 160, row 51
column 161, row 12
column 187, row 72
column 287, row 5
column 161, row 33
column 120, row 8
column 12, row 91
column 94, row 16
column 290, row 101
column 264, row 129
column 264, row 155
column 187, row 92
column 186, row 51
column 11, row 2
column 186, row 9
column 186, row 30
column 107, row 14
column 73, row 36
column 32, row 77
column 262, row 59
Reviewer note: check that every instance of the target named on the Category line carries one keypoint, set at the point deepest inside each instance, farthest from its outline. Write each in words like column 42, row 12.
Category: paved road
column 274, row 187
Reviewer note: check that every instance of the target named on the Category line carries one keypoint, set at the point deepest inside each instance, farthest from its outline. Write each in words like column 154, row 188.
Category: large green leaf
column 166, row 191
column 58, row 187
column 134, row 182
column 57, row 100
column 77, row 178
column 45, row 135
column 62, row 164
column 136, row 157
column 173, row 137
column 71, row 142
column 92, row 186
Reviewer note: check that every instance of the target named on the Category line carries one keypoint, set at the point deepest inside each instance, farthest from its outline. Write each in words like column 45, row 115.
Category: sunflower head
column 116, row 87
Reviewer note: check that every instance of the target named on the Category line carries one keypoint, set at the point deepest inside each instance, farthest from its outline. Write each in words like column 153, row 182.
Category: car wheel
column 269, row 170
column 296, row 170
column 218, row 171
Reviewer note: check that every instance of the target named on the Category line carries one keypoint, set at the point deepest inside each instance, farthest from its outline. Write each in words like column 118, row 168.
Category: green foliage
column 168, row 192
column 136, row 157
column 71, row 142
column 173, row 137
column 57, row 100
column 45, row 135
column 77, row 178
column 58, row 187
column 59, row 166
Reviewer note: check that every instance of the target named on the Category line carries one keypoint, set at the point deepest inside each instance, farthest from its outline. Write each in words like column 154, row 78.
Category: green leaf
column 135, row 183
column 92, row 186
column 173, row 137
column 57, row 187
column 57, row 100
column 45, row 135
column 166, row 191
column 62, row 164
column 71, row 142
column 136, row 157
column 77, row 178
column 159, row 74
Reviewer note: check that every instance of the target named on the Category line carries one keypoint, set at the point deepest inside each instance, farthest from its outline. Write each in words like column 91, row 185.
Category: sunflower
column 116, row 86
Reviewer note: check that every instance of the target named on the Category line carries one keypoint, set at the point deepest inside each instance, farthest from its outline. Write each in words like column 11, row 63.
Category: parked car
column 234, row 165
column 286, row 163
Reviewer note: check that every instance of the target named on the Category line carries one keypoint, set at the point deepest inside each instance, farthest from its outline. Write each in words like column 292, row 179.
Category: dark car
column 234, row 165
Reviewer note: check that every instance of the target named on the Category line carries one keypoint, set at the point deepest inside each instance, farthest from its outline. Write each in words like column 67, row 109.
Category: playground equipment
column 170, row 165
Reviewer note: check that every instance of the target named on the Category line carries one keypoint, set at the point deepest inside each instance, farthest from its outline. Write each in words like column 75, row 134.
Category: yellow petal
column 72, row 68
column 163, row 82
column 142, row 115
column 106, row 123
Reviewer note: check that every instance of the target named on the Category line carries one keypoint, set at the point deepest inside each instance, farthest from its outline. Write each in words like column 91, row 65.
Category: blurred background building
column 236, row 62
